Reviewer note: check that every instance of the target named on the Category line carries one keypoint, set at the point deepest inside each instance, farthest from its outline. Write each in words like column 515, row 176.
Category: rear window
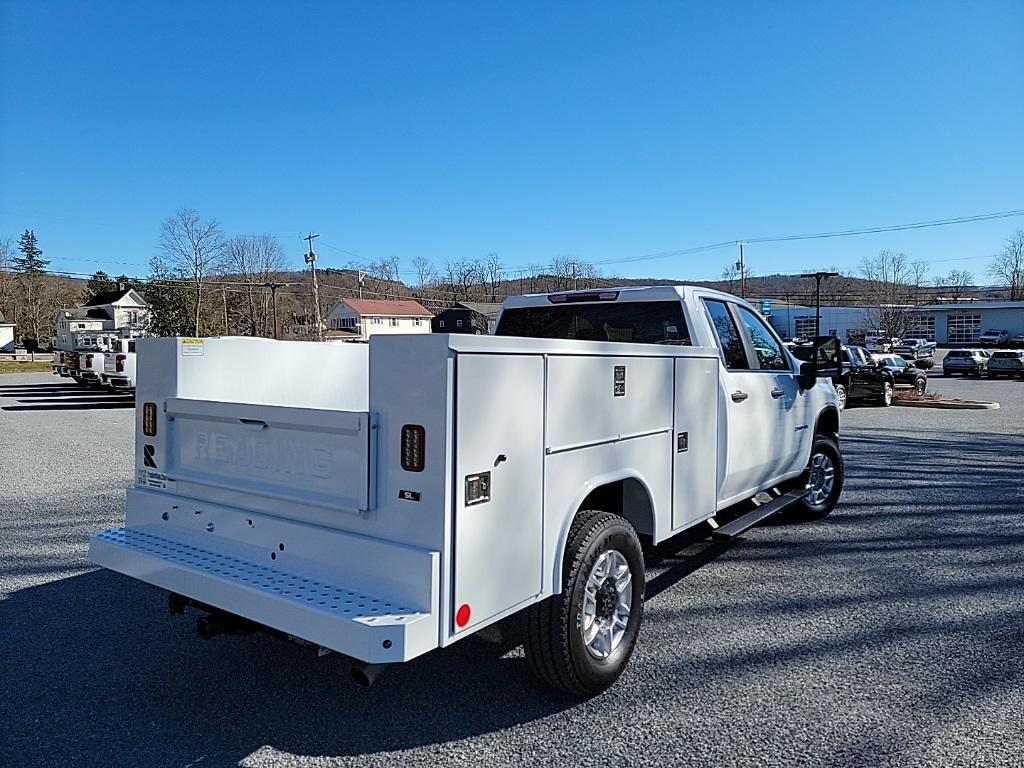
column 643, row 322
column 1007, row 354
column 954, row 353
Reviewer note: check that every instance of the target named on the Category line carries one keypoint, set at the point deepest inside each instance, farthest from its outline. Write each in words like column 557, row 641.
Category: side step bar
column 755, row 516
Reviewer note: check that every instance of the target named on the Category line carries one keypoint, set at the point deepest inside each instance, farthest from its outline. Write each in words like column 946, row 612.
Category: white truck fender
column 569, row 515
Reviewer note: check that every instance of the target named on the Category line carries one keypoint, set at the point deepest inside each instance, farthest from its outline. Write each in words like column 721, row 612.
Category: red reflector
column 119, row 363
column 149, row 419
column 462, row 615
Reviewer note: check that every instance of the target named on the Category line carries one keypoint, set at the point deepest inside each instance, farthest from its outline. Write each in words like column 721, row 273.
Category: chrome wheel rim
column 888, row 394
column 920, row 387
column 607, row 600
column 841, row 397
column 822, row 479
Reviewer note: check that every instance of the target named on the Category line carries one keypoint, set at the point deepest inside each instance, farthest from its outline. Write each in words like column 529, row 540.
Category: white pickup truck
column 420, row 488
column 119, row 365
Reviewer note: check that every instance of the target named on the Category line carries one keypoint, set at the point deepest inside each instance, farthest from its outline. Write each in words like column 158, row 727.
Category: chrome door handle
column 739, row 396
column 777, row 393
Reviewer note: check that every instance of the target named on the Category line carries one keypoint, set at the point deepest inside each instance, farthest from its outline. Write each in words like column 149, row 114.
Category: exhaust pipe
column 366, row 675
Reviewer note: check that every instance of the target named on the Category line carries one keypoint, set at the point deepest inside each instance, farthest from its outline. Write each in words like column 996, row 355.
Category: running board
column 755, row 516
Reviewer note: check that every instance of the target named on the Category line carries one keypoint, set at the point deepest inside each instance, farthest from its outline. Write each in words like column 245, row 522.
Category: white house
column 359, row 319
column 6, row 335
column 120, row 312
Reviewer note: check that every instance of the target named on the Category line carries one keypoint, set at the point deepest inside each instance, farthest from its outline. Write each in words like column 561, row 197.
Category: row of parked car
column 109, row 363
column 981, row 362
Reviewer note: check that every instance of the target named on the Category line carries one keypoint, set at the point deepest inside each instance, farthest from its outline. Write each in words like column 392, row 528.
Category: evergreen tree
column 32, row 269
column 30, row 261
column 98, row 283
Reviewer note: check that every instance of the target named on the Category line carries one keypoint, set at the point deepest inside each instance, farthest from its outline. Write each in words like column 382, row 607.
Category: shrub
column 925, row 365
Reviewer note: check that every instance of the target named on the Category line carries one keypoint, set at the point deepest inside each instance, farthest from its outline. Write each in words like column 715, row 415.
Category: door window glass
column 728, row 335
column 766, row 348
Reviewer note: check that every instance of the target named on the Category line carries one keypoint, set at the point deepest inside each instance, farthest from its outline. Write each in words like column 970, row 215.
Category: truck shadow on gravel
column 62, row 397
column 98, row 673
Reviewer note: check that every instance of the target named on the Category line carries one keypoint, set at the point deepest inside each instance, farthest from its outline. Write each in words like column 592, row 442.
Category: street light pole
column 818, row 276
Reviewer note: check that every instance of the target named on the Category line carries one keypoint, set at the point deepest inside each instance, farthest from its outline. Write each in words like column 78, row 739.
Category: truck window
column 643, row 322
column 728, row 335
column 768, row 350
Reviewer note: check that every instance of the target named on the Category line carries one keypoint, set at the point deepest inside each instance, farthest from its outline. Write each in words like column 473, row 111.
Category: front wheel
column 885, row 399
column 920, row 385
column 580, row 640
column 841, row 396
column 824, row 478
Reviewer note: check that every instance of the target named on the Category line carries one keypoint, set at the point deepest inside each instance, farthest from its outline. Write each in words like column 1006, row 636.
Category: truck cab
column 766, row 417
column 421, row 488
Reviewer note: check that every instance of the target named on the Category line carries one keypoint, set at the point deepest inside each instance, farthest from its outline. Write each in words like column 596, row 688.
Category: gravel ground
column 890, row 634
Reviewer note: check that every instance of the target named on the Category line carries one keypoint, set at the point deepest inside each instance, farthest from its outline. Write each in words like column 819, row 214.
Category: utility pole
column 273, row 300
column 818, row 276
column 742, row 267
column 311, row 260
column 224, row 296
column 575, row 280
column 361, row 276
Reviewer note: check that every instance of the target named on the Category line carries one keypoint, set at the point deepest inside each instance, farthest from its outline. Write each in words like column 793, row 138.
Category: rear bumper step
column 759, row 514
column 362, row 626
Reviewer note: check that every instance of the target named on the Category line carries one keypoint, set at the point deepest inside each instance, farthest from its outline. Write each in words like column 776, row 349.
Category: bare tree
column 493, row 272
column 1008, row 266
column 461, row 275
column 192, row 248
column 955, row 285
column 384, row 275
column 254, row 260
column 894, row 291
column 8, row 280
column 425, row 272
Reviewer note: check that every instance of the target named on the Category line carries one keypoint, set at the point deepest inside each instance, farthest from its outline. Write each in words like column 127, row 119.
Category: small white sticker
column 191, row 346
column 156, row 479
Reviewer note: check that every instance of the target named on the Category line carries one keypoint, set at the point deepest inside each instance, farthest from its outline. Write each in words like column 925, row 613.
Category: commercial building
column 953, row 323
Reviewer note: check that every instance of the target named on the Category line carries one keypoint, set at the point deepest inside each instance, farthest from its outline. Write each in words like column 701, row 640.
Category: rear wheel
column 580, row 640
column 824, row 478
column 920, row 385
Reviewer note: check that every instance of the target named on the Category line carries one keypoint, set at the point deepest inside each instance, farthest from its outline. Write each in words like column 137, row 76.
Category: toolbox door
column 498, row 485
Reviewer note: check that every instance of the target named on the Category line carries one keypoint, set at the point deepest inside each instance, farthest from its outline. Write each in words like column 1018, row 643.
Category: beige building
column 359, row 319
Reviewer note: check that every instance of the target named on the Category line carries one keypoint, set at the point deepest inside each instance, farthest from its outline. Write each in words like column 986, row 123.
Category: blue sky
column 596, row 130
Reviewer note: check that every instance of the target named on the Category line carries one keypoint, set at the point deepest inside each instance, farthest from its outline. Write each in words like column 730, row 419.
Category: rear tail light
column 413, row 439
column 149, row 419
column 119, row 365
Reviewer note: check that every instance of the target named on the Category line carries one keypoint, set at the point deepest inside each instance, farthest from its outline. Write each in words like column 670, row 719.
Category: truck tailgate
column 320, row 457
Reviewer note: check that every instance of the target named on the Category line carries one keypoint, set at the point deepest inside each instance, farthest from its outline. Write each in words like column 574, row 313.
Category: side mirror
column 824, row 362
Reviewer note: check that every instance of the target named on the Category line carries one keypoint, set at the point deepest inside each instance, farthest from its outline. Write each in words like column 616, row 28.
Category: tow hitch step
column 755, row 516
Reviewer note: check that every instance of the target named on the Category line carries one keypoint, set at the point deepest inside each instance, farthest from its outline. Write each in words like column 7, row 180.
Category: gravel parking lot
column 890, row 634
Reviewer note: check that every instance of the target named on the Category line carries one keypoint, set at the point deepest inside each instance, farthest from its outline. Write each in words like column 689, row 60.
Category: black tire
column 805, row 509
column 555, row 649
column 885, row 399
column 841, row 396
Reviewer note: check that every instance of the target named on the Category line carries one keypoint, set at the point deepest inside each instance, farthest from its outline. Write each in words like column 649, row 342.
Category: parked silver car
column 974, row 361
column 1006, row 363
